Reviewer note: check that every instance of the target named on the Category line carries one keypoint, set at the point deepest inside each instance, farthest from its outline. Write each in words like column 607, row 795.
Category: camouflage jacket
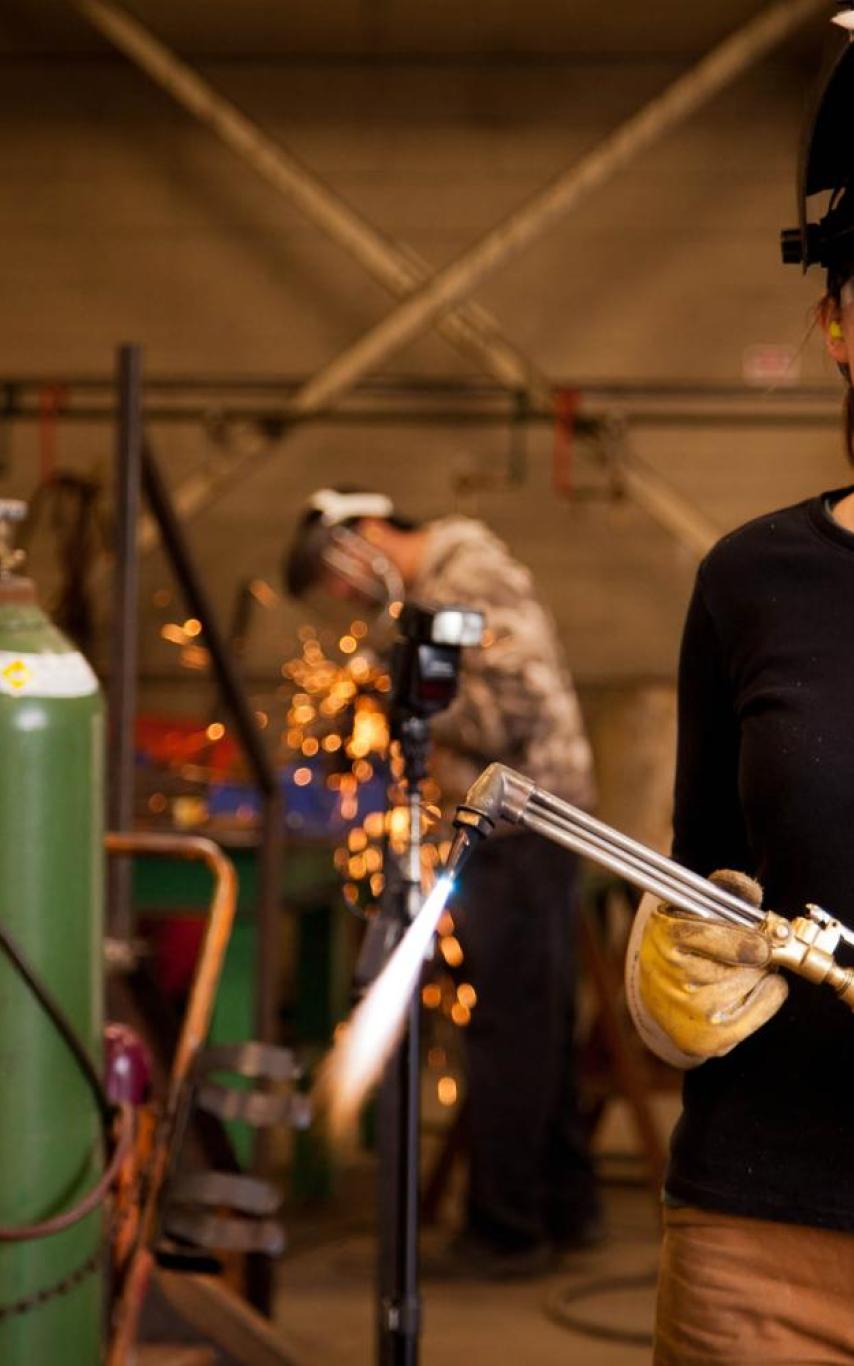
column 516, row 702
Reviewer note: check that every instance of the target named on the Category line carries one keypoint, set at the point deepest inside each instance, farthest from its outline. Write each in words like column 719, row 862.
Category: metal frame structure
column 225, row 1318
column 137, row 469
column 419, row 399
column 123, row 664
column 611, row 410
column 140, row 1254
column 435, row 300
column 234, row 696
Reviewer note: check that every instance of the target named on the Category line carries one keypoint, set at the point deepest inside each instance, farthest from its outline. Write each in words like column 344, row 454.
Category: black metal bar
column 259, row 1271
column 269, row 882
column 258, row 1278
column 398, row 1119
column 399, row 1109
column 123, row 664
column 201, row 606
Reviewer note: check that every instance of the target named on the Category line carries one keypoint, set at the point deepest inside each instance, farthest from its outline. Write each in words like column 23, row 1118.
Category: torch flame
column 364, row 1044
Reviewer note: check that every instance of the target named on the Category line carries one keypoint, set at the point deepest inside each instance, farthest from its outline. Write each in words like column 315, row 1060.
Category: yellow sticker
column 16, row 674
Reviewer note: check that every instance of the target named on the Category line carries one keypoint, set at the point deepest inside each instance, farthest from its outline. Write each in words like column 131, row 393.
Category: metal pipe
column 123, row 662
column 448, row 286
column 573, row 819
column 269, row 887
column 462, row 417
column 500, row 793
column 193, row 1033
column 258, row 1271
column 197, row 1017
column 437, row 386
column 635, row 872
column 641, row 486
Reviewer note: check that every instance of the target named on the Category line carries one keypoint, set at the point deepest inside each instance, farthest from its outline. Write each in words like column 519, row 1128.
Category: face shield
column 335, row 570
column 350, row 564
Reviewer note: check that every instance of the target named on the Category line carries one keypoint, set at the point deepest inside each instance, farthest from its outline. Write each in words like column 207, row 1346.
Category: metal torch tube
column 671, row 892
column 635, row 861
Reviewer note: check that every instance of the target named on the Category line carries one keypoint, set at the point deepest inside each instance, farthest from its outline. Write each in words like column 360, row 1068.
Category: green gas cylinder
column 51, row 888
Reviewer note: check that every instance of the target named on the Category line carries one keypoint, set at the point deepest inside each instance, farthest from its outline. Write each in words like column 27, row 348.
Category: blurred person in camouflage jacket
column 531, row 1187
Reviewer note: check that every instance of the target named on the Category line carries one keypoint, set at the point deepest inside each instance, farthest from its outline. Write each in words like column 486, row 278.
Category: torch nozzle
column 472, row 826
column 460, row 850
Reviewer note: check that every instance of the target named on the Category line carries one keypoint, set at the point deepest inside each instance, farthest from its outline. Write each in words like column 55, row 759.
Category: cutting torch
column 806, row 944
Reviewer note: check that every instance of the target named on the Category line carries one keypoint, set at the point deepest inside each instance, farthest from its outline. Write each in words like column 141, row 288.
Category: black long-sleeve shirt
column 765, row 783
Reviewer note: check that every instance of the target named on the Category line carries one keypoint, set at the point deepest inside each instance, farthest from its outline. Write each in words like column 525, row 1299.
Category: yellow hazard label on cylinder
column 48, row 674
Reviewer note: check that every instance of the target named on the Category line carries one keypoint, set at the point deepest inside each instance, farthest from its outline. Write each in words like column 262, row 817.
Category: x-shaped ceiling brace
column 438, row 300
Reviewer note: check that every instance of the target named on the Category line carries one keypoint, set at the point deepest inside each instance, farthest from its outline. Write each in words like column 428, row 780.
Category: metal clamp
column 261, row 1108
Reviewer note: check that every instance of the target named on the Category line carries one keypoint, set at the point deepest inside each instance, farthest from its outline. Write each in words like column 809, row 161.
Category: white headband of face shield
column 335, row 507
column 350, row 555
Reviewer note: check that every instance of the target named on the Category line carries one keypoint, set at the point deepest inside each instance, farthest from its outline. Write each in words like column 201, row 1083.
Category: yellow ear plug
column 836, row 333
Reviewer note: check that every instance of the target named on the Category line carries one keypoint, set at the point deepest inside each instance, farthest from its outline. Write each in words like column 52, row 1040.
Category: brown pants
column 734, row 1292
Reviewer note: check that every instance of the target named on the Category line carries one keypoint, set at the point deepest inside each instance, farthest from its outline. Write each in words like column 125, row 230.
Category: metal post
column 123, row 661
column 399, row 1110
column 269, row 886
column 259, row 1268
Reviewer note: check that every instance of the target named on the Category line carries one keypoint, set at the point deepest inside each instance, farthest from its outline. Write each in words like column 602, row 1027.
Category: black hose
column 556, row 1308
column 106, row 1110
column 25, row 1233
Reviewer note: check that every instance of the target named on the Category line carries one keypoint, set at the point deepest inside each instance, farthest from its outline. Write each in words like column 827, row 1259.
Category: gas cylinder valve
column 12, row 512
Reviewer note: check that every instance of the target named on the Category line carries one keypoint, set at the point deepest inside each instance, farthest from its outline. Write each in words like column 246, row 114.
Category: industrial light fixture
column 844, row 15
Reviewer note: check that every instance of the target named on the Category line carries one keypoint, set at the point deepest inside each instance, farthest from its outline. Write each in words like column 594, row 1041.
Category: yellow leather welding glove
column 706, row 986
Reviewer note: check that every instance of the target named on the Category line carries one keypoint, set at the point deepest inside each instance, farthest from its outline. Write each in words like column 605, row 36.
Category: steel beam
column 398, row 268
column 429, row 302
column 507, row 239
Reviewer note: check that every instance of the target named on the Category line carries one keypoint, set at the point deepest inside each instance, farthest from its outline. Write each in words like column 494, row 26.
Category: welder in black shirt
column 758, row 1257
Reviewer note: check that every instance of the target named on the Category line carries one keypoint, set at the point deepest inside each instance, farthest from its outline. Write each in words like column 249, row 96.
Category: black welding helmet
column 825, row 234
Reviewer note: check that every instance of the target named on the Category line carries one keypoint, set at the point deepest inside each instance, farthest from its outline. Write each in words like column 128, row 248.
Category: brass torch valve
column 807, row 946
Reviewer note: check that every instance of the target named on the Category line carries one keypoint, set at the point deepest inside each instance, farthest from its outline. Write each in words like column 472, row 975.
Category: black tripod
column 425, row 672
